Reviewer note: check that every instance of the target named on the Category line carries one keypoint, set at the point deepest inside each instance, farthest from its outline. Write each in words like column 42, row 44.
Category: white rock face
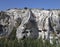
column 33, row 23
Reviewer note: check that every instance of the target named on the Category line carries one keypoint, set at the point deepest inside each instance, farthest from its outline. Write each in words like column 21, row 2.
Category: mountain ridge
column 32, row 23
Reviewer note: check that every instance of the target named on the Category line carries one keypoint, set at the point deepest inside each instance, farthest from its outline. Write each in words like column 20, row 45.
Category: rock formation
column 33, row 23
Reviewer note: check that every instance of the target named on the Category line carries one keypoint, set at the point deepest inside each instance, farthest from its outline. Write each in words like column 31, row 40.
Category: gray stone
column 29, row 23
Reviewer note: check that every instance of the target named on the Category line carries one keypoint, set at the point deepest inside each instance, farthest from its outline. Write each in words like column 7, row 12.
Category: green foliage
column 25, row 8
column 13, row 34
column 28, row 42
column 53, row 24
column 59, row 15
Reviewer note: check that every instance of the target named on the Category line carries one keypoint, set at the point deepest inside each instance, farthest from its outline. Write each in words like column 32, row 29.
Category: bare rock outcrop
column 32, row 23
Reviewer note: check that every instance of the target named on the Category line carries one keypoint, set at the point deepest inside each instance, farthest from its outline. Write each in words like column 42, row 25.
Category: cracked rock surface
column 29, row 22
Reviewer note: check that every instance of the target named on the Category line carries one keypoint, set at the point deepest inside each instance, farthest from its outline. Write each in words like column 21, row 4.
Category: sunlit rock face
column 33, row 23
column 6, row 24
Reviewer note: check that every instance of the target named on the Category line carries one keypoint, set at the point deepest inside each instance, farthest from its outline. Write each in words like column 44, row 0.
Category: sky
column 46, row 4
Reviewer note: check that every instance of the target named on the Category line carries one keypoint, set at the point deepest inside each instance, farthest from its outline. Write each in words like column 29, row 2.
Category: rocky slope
column 32, row 23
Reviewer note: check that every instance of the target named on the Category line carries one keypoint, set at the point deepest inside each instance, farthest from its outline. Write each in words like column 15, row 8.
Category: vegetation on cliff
column 28, row 42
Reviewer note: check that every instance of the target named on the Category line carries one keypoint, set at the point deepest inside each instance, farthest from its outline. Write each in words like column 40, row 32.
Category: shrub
column 27, row 43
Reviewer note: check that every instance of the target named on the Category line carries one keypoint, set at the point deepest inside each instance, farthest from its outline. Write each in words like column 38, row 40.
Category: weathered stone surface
column 32, row 23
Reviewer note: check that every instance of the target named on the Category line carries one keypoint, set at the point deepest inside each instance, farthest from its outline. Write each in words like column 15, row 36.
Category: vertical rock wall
column 32, row 23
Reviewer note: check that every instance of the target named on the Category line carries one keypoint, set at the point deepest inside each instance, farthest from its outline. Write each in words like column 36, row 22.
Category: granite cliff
column 33, row 23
